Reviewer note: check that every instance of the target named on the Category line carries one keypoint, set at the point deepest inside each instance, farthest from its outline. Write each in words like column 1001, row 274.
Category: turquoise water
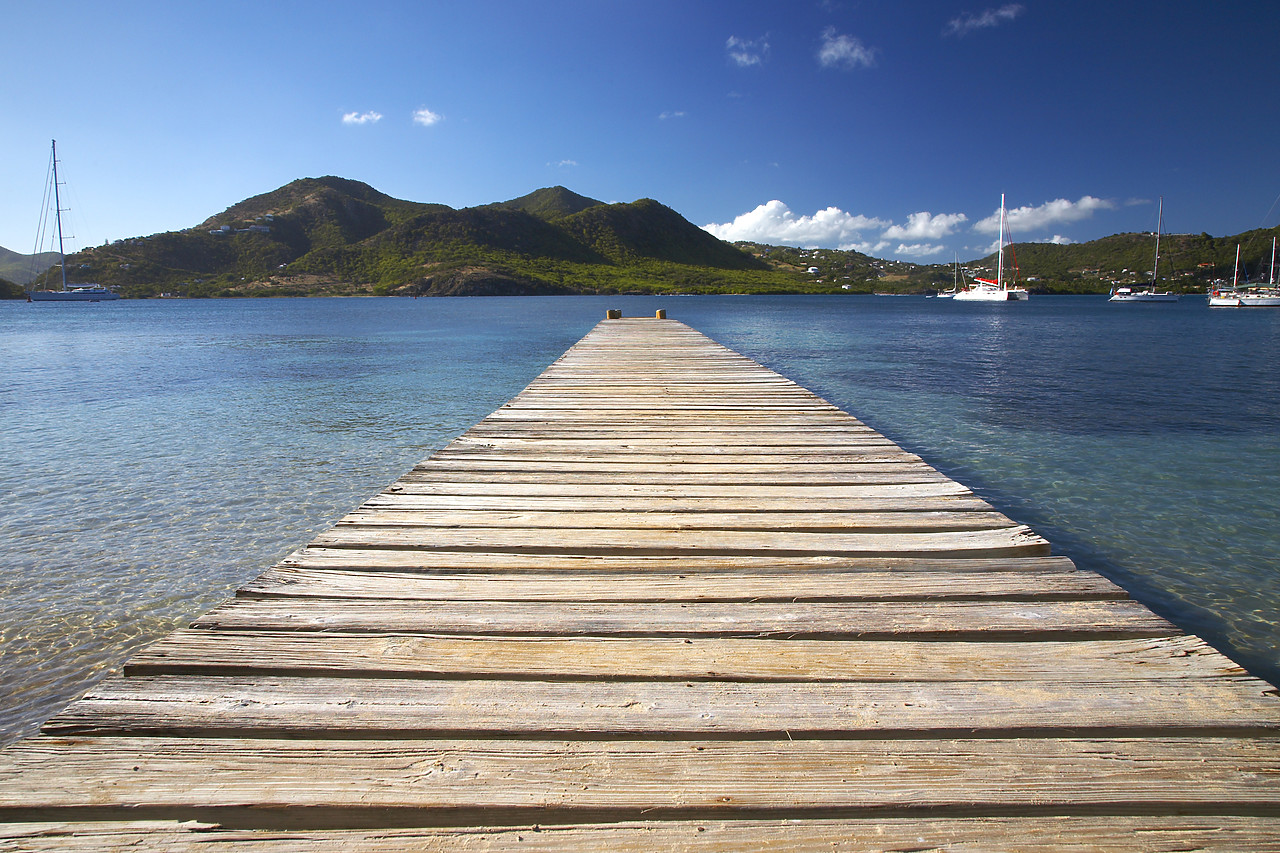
column 159, row 454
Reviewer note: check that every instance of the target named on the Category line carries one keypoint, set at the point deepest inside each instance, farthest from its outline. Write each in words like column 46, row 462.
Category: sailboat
column 1255, row 296
column 986, row 290
column 1128, row 294
column 69, row 292
column 955, row 286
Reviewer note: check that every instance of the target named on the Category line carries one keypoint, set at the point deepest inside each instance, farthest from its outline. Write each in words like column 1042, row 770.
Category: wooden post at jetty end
column 663, row 599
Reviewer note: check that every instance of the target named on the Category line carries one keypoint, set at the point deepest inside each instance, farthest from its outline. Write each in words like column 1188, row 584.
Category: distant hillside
column 338, row 236
column 1189, row 263
column 17, row 268
column 331, row 236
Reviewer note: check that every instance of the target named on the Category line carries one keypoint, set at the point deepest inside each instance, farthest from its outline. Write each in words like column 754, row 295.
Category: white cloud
column 426, row 118
column 671, row 114
column 969, row 21
column 919, row 250
column 925, row 226
column 361, row 118
column 775, row 223
column 564, row 164
column 746, row 52
column 1056, row 212
column 1059, row 240
column 841, row 51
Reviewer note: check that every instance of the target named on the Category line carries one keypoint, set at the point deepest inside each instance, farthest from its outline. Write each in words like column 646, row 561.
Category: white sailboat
column 1250, row 296
column 69, row 292
column 955, row 285
column 986, row 290
column 1150, row 294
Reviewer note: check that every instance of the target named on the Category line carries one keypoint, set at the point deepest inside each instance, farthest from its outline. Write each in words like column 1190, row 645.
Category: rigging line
column 42, row 224
column 1262, row 224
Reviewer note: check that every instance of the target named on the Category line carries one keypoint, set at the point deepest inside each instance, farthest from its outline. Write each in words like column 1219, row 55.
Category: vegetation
column 22, row 269
column 10, row 289
column 334, row 236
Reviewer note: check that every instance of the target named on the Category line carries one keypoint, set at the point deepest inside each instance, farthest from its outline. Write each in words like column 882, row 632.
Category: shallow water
column 159, row 454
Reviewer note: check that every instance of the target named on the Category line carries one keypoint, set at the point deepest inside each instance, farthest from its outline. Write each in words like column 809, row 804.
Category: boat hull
column 1243, row 300
column 991, row 295
column 1143, row 296
column 96, row 294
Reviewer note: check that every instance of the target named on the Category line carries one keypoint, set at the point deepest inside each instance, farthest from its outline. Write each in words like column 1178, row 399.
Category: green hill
column 548, row 203
column 335, row 236
column 338, row 236
column 18, row 268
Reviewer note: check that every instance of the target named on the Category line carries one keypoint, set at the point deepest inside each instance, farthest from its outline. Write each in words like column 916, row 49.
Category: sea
column 158, row 454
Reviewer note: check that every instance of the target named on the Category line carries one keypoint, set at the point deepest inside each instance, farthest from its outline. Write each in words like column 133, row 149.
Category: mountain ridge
column 336, row 236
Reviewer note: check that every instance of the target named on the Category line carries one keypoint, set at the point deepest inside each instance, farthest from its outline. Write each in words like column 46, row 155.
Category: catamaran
column 1150, row 294
column 69, row 292
column 1254, row 296
column 986, row 290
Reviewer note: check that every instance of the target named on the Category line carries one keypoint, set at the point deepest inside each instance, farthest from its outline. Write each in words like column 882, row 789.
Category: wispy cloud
column 361, row 118
column 564, row 164
column 425, row 117
column 925, row 226
column 970, row 21
column 747, row 52
column 775, row 223
column 1056, row 212
column 671, row 114
column 919, row 250
column 842, row 51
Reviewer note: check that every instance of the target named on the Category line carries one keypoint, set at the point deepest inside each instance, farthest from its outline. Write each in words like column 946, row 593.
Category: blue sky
column 890, row 127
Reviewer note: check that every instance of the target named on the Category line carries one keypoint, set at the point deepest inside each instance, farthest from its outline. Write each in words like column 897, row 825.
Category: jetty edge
column 663, row 599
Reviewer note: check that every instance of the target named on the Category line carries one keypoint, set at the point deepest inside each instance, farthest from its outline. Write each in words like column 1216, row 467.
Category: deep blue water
column 156, row 455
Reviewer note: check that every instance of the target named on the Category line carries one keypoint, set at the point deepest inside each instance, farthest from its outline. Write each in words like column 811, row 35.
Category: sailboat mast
column 1155, row 265
column 1000, row 259
column 57, row 208
column 1272, row 282
column 1235, row 271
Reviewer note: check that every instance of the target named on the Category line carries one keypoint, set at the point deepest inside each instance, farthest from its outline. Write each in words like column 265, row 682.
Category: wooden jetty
column 664, row 599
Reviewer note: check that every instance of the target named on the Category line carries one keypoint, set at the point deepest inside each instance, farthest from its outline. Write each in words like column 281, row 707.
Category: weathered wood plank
column 691, row 586
column 480, row 781
column 627, row 464
column 878, row 474
column 766, row 501
column 953, row 619
column 845, row 488
column 265, row 704
column 586, row 516
column 1006, row 541
column 248, row 652
column 316, row 557
column 1131, row 834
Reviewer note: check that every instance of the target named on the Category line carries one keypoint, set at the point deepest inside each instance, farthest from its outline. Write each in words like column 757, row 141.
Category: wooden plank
column 593, row 487
column 317, row 557
column 1005, row 541
column 766, row 501
column 316, row 706
column 632, row 465
column 603, row 518
column 480, row 781
column 1053, row 834
column 950, row 620
column 691, row 586
column 876, row 474
column 796, row 661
